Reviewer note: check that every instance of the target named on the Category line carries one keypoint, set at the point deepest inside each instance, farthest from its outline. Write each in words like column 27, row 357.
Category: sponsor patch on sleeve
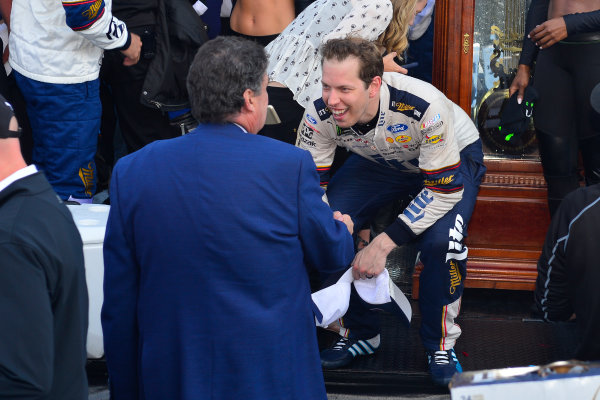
column 322, row 109
column 443, row 180
column 407, row 103
column 416, row 209
column 83, row 13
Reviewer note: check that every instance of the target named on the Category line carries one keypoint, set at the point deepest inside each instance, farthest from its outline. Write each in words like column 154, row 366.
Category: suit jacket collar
column 228, row 127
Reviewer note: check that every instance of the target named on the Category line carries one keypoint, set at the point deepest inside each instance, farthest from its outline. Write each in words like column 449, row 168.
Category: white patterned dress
column 293, row 57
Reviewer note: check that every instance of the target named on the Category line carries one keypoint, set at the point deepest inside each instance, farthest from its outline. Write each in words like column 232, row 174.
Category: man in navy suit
column 206, row 292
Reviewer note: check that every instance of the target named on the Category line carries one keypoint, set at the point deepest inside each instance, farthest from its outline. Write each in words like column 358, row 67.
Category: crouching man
column 407, row 139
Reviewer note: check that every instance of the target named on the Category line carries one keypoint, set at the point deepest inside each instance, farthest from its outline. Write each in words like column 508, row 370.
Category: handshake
column 345, row 218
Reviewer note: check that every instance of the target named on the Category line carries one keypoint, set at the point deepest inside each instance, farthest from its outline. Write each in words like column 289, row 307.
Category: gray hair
column 222, row 70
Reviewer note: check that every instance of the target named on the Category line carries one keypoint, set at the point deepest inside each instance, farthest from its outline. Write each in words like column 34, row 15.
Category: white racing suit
column 424, row 146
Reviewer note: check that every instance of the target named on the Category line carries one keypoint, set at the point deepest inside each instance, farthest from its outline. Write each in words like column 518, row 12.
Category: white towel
column 332, row 302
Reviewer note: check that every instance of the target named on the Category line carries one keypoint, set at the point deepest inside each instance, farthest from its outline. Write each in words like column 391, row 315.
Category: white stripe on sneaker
column 366, row 346
column 358, row 349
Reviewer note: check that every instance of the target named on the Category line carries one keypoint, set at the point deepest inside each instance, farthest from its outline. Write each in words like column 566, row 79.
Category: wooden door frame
column 453, row 50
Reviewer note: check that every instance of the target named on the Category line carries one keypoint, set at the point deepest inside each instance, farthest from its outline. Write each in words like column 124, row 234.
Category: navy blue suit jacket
column 206, row 294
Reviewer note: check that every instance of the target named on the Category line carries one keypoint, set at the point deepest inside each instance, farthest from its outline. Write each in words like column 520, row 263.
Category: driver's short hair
column 367, row 53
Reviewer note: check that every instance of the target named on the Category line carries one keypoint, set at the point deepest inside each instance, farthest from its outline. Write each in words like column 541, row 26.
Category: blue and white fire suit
column 424, row 146
column 55, row 50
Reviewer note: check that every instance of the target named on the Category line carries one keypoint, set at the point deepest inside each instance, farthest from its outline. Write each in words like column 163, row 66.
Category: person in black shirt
column 568, row 273
column 43, row 293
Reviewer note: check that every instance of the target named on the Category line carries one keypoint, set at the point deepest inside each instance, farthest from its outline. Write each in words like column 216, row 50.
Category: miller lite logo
column 92, row 12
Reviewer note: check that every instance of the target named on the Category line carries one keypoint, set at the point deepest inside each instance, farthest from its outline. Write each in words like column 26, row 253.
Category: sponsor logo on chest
column 311, row 119
column 397, row 128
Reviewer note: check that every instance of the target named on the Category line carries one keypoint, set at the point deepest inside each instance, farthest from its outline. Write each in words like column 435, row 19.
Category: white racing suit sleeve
column 94, row 21
column 439, row 161
column 316, row 135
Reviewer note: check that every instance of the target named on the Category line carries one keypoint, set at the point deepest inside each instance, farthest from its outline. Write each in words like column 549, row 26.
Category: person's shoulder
column 152, row 152
column 410, row 96
column 34, row 192
column 579, row 214
column 412, row 85
column 583, row 197
column 317, row 114
column 25, row 211
column 278, row 155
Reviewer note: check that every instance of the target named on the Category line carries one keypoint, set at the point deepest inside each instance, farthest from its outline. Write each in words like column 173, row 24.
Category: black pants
column 560, row 159
column 262, row 40
column 564, row 77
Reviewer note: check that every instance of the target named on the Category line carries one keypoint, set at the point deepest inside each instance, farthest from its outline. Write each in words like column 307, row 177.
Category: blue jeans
column 65, row 123
column 360, row 188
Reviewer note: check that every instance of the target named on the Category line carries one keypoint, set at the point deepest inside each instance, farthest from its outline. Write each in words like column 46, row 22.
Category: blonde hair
column 395, row 36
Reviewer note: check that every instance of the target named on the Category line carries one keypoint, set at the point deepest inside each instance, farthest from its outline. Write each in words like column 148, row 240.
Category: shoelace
column 340, row 344
column 441, row 357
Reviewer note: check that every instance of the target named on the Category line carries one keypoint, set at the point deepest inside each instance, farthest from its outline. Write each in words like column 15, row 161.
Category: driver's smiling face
column 344, row 93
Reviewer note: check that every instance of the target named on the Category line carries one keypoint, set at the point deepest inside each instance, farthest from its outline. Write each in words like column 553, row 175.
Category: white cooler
column 91, row 222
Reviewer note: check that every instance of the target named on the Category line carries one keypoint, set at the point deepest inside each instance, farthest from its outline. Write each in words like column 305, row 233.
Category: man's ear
column 248, row 99
column 13, row 125
column 374, row 86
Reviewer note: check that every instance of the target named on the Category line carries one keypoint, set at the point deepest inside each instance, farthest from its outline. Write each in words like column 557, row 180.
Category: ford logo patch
column 311, row 119
column 397, row 128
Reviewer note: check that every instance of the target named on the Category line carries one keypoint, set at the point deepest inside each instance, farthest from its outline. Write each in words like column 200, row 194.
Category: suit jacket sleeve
column 327, row 244
column 119, row 317
column 27, row 345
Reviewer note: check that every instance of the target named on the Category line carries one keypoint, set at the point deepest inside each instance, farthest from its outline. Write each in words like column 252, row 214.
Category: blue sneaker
column 345, row 349
column 443, row 364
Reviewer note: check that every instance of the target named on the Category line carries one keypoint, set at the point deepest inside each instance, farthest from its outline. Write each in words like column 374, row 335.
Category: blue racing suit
column 55, row 50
